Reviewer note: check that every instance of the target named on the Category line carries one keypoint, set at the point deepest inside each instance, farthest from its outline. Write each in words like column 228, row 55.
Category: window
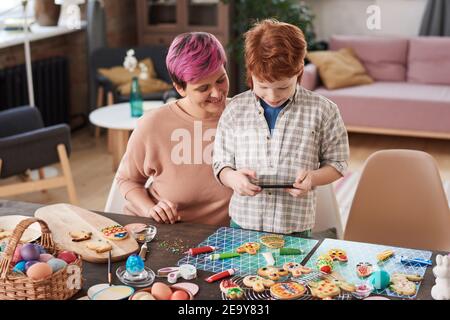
column 13, row 9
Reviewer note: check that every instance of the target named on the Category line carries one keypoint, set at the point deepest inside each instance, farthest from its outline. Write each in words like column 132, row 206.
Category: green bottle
column 136, row 99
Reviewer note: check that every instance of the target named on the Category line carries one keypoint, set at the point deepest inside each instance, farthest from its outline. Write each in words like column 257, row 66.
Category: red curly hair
column 273, row 51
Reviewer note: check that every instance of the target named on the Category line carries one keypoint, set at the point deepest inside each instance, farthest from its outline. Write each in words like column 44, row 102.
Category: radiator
column 51, row 89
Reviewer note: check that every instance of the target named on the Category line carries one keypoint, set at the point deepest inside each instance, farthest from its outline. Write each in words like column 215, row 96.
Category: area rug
column 345, row 189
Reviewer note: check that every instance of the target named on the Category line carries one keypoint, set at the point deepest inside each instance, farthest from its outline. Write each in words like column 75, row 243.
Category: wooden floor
column 92, row 164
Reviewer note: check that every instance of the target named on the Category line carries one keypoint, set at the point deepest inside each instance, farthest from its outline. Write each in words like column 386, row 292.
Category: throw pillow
column 339, row 69
column 122, row 78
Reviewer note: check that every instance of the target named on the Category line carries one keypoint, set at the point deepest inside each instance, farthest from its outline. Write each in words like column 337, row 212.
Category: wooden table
column 191, row 234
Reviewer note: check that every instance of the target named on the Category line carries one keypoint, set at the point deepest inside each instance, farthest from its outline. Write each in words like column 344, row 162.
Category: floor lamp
column 28, row 56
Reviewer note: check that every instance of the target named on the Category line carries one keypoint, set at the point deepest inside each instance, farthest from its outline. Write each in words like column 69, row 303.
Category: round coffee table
column 119, row 122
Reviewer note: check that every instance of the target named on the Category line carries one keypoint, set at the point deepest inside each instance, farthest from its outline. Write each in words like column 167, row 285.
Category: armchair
column 110, row 57
column 26, row 144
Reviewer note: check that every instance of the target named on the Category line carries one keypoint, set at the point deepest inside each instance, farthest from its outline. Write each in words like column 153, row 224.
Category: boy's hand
column 302, row 185
column 239, row 181
column 164, row 211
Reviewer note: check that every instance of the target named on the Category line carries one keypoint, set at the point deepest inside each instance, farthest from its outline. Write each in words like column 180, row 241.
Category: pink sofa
column 411, row 92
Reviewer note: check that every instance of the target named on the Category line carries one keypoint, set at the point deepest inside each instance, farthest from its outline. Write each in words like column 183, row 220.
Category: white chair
column 327, row 211
column 115, row 201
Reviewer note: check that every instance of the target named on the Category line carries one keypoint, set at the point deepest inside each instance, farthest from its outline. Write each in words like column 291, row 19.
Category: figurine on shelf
column 441, row 290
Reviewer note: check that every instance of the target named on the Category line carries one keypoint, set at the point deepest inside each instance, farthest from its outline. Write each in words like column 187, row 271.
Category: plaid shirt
column 309, row 133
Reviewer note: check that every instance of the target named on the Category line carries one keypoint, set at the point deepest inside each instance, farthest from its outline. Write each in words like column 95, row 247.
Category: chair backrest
column 400, row 201
column 327, row 211
column 115, row 201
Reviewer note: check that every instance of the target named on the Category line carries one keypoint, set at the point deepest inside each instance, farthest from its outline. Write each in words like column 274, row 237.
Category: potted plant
column 246, row 13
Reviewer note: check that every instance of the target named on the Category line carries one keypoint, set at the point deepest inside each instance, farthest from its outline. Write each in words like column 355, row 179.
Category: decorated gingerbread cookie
column 257, row 283
column 227, row 284
column 324, row 289
column 273, row 273
column 272, row 241
column 364, row 269
column 325, row 263
column 287, row 290
column 296, row 269
column 249, row 247
column 116, row 232
column 231, row 289
column 338, row 254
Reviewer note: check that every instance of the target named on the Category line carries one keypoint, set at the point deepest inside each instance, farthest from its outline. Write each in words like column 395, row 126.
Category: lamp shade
column 61, row 2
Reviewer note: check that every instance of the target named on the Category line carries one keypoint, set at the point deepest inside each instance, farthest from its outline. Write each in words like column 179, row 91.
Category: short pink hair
column 193, row 56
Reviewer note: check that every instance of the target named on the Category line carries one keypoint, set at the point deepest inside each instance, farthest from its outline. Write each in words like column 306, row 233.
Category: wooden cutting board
column 63, row 218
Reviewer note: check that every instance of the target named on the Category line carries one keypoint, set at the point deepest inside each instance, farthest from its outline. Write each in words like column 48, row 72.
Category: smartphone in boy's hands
column 272, row 182
column 276, row 186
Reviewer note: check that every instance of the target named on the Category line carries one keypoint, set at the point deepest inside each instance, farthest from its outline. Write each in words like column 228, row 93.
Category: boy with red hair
column 278, row 133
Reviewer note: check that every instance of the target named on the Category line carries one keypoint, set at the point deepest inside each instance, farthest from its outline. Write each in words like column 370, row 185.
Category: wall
column 121, row 23
column 398, row 17
column 71, row 46
column 121, row 32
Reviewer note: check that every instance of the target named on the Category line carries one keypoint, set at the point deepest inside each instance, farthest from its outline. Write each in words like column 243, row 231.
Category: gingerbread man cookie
column 273, row 273
column 296, row 269
column 249, row 247
column 257, row 283
column 338, row 254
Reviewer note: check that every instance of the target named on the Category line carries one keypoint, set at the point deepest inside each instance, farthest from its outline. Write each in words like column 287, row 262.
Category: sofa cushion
column 384, row 58
column 339, row 69
column 394, row 105
column 429, row 60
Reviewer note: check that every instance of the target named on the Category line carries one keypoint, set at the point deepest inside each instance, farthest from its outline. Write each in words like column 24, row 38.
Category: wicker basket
column 59, row 286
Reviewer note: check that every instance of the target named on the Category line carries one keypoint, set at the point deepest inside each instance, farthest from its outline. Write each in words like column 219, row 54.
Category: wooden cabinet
column 159, row 21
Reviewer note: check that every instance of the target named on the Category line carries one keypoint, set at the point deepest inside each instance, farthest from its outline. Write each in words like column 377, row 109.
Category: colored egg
column 39, row 271
column 67, row 256
column 16, row 256
column 379, row 279
column 179, row 295
column 28, row 264
column 30, row 251
column 44, row 257
column 57, row 264
column 134, row 264
column 161, row 291
column 20, row 266
column 41, row 249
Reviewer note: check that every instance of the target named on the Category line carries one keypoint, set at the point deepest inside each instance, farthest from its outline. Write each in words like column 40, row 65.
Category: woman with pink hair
column 173, row 144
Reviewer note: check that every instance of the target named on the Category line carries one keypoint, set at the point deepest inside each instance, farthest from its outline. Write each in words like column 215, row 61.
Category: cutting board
column 63, row 218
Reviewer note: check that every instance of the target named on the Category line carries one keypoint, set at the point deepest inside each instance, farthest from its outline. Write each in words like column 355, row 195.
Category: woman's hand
column 164, row 211
column 239, row 181
column 302, row 185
